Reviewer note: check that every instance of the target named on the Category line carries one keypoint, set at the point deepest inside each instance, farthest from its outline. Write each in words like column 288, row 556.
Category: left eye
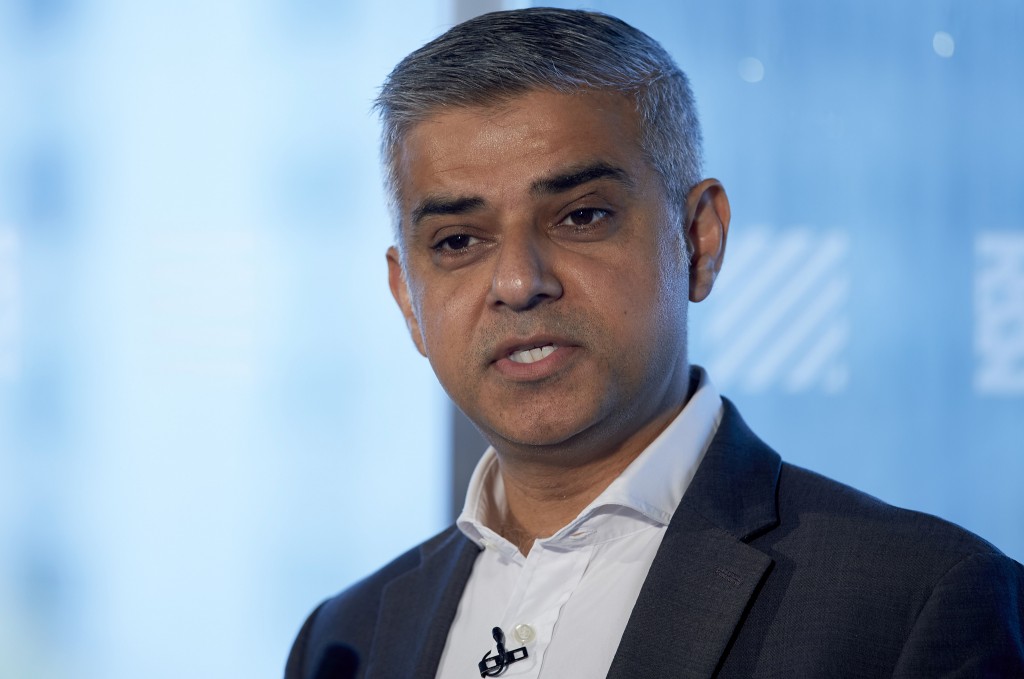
column 584, row 217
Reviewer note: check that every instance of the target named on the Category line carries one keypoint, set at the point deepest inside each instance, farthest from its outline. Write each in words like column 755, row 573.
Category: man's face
column 546, row 275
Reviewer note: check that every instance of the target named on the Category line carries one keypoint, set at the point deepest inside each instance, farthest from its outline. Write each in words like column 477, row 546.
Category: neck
column 545, row 492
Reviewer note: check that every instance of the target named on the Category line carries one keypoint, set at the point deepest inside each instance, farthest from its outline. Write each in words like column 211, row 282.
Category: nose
column 523, row 273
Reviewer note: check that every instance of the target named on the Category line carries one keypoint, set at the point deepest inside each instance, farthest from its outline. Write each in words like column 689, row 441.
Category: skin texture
column 540, row 222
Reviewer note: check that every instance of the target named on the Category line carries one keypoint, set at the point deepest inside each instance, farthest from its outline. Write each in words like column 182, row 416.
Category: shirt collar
column 651, row 486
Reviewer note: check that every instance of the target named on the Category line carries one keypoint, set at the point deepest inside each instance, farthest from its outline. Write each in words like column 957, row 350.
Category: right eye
column 455, row 243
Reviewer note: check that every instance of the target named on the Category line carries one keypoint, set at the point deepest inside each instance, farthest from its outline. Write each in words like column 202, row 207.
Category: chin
column 539, row 433
column 535, row 436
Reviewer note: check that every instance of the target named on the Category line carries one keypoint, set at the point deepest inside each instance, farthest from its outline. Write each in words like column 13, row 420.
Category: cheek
column 637, row 293
column 651, row 315
column 445, row 322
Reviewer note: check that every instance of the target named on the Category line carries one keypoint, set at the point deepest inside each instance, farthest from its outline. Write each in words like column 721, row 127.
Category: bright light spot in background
column 943, row 44
column 9, row 311
column 751, row 69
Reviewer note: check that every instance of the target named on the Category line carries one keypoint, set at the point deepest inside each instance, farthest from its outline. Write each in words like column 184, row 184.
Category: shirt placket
column 549, row 577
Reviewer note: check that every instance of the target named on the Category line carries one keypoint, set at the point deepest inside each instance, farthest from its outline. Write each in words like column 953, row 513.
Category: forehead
column 502, row 149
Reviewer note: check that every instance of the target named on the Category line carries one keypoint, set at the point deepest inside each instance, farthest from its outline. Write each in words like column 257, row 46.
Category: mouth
column 533, row 354
column 533, row 359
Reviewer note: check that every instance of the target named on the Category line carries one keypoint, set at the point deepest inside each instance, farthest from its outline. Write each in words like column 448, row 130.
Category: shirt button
column 523, row 633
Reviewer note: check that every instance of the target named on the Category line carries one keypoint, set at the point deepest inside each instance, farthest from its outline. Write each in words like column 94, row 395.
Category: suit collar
column 705, row 576
column 734, row 488
column 418, row 608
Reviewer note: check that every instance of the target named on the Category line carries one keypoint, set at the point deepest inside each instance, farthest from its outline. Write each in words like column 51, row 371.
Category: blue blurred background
column 211, row 416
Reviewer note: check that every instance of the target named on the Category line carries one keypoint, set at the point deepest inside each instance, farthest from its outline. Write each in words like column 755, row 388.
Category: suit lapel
column 705, row 576
column 417, row 609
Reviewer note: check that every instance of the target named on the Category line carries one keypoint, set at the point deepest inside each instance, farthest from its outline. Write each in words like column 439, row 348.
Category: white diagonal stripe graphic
column 759, row 327
column 828, row 300
column 999, row 313
column 777, row 260
column 826, row 349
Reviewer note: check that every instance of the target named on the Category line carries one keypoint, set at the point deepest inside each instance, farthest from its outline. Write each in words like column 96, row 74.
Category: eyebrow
column 578, row 176
column 443, row 205
column 433, row 206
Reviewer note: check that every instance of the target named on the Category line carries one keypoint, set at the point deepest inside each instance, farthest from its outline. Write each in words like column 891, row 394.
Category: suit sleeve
column 972, row 625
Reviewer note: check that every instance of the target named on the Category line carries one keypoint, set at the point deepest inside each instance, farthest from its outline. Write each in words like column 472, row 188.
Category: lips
column 532, row 355
column 534, row 359
column 525, row 350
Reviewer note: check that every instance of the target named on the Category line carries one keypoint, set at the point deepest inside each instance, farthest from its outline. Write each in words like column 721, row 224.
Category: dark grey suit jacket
column 766, row 570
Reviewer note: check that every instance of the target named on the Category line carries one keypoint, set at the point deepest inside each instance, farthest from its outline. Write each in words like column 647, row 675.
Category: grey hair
column 487, row 60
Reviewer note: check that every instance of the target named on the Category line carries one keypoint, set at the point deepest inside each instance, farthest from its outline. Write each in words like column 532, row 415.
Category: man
column 551, row 225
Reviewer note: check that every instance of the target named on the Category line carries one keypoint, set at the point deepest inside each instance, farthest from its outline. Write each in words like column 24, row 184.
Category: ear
column 400, row 291
column 707, row 226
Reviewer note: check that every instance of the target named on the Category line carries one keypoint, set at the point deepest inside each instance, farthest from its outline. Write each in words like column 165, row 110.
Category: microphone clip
column 496, row 665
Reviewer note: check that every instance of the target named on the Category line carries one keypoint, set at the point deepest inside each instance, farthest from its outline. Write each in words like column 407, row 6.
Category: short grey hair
column 487, row 60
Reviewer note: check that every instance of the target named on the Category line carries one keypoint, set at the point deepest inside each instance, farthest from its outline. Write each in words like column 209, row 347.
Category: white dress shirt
column 569, row 600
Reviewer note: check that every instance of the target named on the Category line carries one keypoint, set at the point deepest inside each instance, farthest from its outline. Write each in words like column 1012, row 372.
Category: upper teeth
column 532, row 355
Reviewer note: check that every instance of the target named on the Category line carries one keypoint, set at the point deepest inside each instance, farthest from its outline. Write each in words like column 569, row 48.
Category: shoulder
column 830, row 514
column 349, row 618
column 871, row 589
column 910, row 585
